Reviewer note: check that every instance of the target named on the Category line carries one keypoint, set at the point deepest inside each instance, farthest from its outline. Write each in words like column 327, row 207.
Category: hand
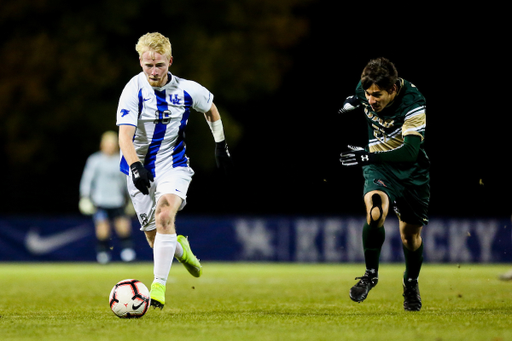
column 351, row 103
column 357, row 156
column 86, row 206
column 222, row 157
column 141, row 177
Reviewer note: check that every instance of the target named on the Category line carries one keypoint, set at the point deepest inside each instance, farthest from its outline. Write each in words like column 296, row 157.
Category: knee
column 123, row 227
column 165, row 221
column 376, row 214
column 102, row 230
column 377, row 211
column 411, row 239
column 408, row 240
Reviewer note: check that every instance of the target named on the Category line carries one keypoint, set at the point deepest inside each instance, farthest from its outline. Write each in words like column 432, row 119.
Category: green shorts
column 408, row 191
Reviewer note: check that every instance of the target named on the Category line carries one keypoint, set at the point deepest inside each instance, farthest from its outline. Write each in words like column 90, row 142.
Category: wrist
column 136, row 164
column 217, row 130
column 373, row 158
column 136, row 168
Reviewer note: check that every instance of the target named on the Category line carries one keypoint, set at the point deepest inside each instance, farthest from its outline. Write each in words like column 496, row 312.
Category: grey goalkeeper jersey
column 102, row 181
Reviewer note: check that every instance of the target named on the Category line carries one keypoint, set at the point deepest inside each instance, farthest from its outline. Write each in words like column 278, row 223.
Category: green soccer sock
column 373, row 238
column 413, row 261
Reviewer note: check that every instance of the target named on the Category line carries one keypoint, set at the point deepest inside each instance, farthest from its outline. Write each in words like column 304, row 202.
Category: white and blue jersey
column 160, row 116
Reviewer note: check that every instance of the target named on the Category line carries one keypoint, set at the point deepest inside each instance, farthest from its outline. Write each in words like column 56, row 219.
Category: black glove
column 357, row 156
column 141, row 177
column 222, row 157
column 351, row 103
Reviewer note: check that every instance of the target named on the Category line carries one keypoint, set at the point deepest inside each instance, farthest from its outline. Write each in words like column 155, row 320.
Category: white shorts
column 175, row 181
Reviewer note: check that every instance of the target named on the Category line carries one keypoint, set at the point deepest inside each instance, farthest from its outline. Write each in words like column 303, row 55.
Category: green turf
column 254, row 301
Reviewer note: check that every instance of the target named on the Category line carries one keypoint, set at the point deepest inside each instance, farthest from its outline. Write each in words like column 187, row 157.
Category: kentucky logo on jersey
column 124, row 112
column 176, row 100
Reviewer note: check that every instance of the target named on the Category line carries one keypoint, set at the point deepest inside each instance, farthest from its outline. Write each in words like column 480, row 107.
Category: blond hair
column 154, row 42
column 108, row 136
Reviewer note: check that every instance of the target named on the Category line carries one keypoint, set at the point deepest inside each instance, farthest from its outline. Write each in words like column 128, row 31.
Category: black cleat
column 155, row 304
column 359, row 292
column 412, row 298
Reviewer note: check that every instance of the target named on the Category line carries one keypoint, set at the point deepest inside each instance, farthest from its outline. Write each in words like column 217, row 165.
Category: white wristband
column 217, row 130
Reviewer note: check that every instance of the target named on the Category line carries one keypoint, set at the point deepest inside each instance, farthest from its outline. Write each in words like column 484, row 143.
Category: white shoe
column 128, row 255
column 103, row 257
column 507, row 276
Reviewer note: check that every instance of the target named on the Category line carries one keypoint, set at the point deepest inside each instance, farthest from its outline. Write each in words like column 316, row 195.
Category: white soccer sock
column 163, row 255
column 179, row 251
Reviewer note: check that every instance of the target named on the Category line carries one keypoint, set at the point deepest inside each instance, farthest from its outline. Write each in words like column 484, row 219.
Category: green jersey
column 387, row 129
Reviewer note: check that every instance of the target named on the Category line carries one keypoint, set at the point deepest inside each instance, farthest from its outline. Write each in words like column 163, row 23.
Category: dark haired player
column 395, row 169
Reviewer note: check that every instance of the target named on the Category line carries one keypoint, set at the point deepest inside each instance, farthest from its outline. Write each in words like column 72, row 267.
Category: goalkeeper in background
column 103, row 195
column 395, row 170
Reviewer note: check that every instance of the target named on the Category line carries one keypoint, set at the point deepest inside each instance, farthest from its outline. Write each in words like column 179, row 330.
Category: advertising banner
column 251, row 238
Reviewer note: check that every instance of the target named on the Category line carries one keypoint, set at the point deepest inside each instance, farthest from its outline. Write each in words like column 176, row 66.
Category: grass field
column 255, row 301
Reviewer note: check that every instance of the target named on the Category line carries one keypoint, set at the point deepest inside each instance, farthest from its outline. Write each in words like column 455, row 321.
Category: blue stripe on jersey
column 178, row 155
column 158, row 134
column 141, row 103
column 124, row 166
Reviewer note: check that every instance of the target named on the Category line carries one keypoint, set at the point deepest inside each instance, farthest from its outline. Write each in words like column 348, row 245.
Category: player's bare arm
column 126, row 133
column 213, row 114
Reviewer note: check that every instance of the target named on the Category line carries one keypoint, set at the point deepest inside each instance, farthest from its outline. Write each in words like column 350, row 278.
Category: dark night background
column 279, row 71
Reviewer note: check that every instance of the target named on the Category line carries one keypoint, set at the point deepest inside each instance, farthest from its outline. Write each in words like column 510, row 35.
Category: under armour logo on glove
column 357, row 156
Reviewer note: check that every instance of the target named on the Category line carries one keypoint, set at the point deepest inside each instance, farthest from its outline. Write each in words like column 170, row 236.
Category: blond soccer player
column 152, row 115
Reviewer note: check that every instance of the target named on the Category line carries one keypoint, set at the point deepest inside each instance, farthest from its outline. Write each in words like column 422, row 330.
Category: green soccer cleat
column 157, row 295
column 188, row 259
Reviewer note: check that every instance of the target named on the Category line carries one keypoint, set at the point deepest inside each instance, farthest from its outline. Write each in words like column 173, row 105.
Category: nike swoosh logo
column 135, row 307
column 40, row 245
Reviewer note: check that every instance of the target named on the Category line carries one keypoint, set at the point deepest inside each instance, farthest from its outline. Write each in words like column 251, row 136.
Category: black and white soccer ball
column 129, row 298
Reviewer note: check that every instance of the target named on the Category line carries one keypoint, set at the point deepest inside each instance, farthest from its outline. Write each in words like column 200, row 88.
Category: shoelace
column 364, row 280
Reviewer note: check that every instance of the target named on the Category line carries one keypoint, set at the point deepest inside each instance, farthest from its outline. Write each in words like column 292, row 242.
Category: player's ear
column 170, row 61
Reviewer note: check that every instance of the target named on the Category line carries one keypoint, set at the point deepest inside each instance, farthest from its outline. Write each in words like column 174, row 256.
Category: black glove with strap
column 356, row 156
column 351, row 103
column 141, row 177
column 222, row 157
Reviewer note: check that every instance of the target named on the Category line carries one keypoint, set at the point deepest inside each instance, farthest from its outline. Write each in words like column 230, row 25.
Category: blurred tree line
column 279, row 71
column 64, row 65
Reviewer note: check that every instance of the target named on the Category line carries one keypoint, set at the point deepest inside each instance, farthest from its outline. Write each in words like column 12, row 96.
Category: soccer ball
column 129, row 298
